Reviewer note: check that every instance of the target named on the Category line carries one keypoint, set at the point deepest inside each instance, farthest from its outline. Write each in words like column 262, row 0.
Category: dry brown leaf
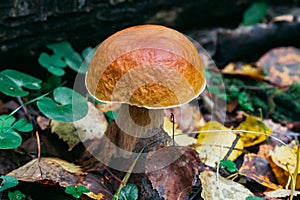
column 243, row 69
column 214, row 187
column 43, row 122
column 93, row 125
column 280, row 134
column 257, row 168
column 264, row 151
column 213, row 146
column 48, row 169
column 173, row 181
column 57, row 171
column 282, row 65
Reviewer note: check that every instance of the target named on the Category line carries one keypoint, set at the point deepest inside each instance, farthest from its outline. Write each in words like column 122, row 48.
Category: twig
column 238, row 136
column 173, row 128
column 38, row 141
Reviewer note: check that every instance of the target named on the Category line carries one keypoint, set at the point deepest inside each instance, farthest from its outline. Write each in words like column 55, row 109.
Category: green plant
column 66, row 105
column 9, row 128
column 254, row 198
column 228, row 165
column 16, row 195
column 64, row 55
column 129, row 192
column 7, row 182
column 76, row 191
column 13, row 82
column 255, row 13
column 111, row 115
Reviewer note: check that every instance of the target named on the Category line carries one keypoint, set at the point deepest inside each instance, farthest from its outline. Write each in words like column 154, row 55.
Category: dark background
column 27, row 26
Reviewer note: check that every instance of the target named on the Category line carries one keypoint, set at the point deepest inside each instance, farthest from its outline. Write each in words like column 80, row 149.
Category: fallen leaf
column 187, row 117
column 254, row 124
column 43, row 122
column 282, row 156
column 93, row 125
column 280, row 134
column 216, row 187
column 243, row 69
column 280, row 193
column 54, row 171
column 180, row 138
column 258, row 169
column 282, row 65
column 213, row 146
column 173, row 181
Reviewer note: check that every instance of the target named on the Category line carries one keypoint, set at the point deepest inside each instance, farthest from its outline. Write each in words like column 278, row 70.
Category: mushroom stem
column 135, row 123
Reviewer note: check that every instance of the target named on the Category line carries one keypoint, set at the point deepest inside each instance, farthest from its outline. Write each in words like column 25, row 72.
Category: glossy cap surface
column 147, row 66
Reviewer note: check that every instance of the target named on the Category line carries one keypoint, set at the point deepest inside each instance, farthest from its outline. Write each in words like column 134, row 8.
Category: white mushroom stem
column 137, row 122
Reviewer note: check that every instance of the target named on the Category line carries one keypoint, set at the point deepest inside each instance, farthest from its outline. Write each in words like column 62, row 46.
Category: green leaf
column 70, row 189
column 255, row 13
column 82, row 189
column 23, row 125
column 87, row 54
column 254, row 198
column 76, row 191
column 56, row 71
column 62, row 49
column 16, row 195
column 74, row 61
column 7, row 182
column 229, row 165
column 12, row 82
column 53, row 64
column 9, row 138
column 111, row 115
column 129, row 192
column 67, row 106
column 57, row 61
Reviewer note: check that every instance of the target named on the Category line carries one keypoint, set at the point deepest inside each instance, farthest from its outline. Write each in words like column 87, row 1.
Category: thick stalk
column 135, row 123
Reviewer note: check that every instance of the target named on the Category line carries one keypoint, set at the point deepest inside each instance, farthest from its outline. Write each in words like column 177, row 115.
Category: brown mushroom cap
column 148, row 66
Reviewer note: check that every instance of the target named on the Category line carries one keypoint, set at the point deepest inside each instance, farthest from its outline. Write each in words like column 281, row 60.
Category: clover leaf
column 7, row 182
column 229, row 165
column 88, row 53
column 16, row 195
column 255, row 13
column 9, row 137
column 73, row 59
column 53, row 64
column 129, row 192
column 12, row 81
column 66, row 105
column 76, row 191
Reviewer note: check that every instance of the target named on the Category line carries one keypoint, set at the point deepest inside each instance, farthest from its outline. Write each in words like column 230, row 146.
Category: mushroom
column 146, row 68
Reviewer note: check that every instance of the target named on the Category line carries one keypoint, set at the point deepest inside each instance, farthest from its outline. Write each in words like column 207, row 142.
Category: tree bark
column 27, row 26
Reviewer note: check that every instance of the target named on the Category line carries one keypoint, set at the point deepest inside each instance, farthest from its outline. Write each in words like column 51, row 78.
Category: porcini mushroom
column 146, row 68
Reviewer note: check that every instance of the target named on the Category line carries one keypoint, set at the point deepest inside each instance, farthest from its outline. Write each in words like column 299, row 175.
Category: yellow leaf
column 180, row 139
column 243, row 69
column 281, row 157
column 285, row 155
column 254, row 124
column 98, row 196
column 213, row 146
